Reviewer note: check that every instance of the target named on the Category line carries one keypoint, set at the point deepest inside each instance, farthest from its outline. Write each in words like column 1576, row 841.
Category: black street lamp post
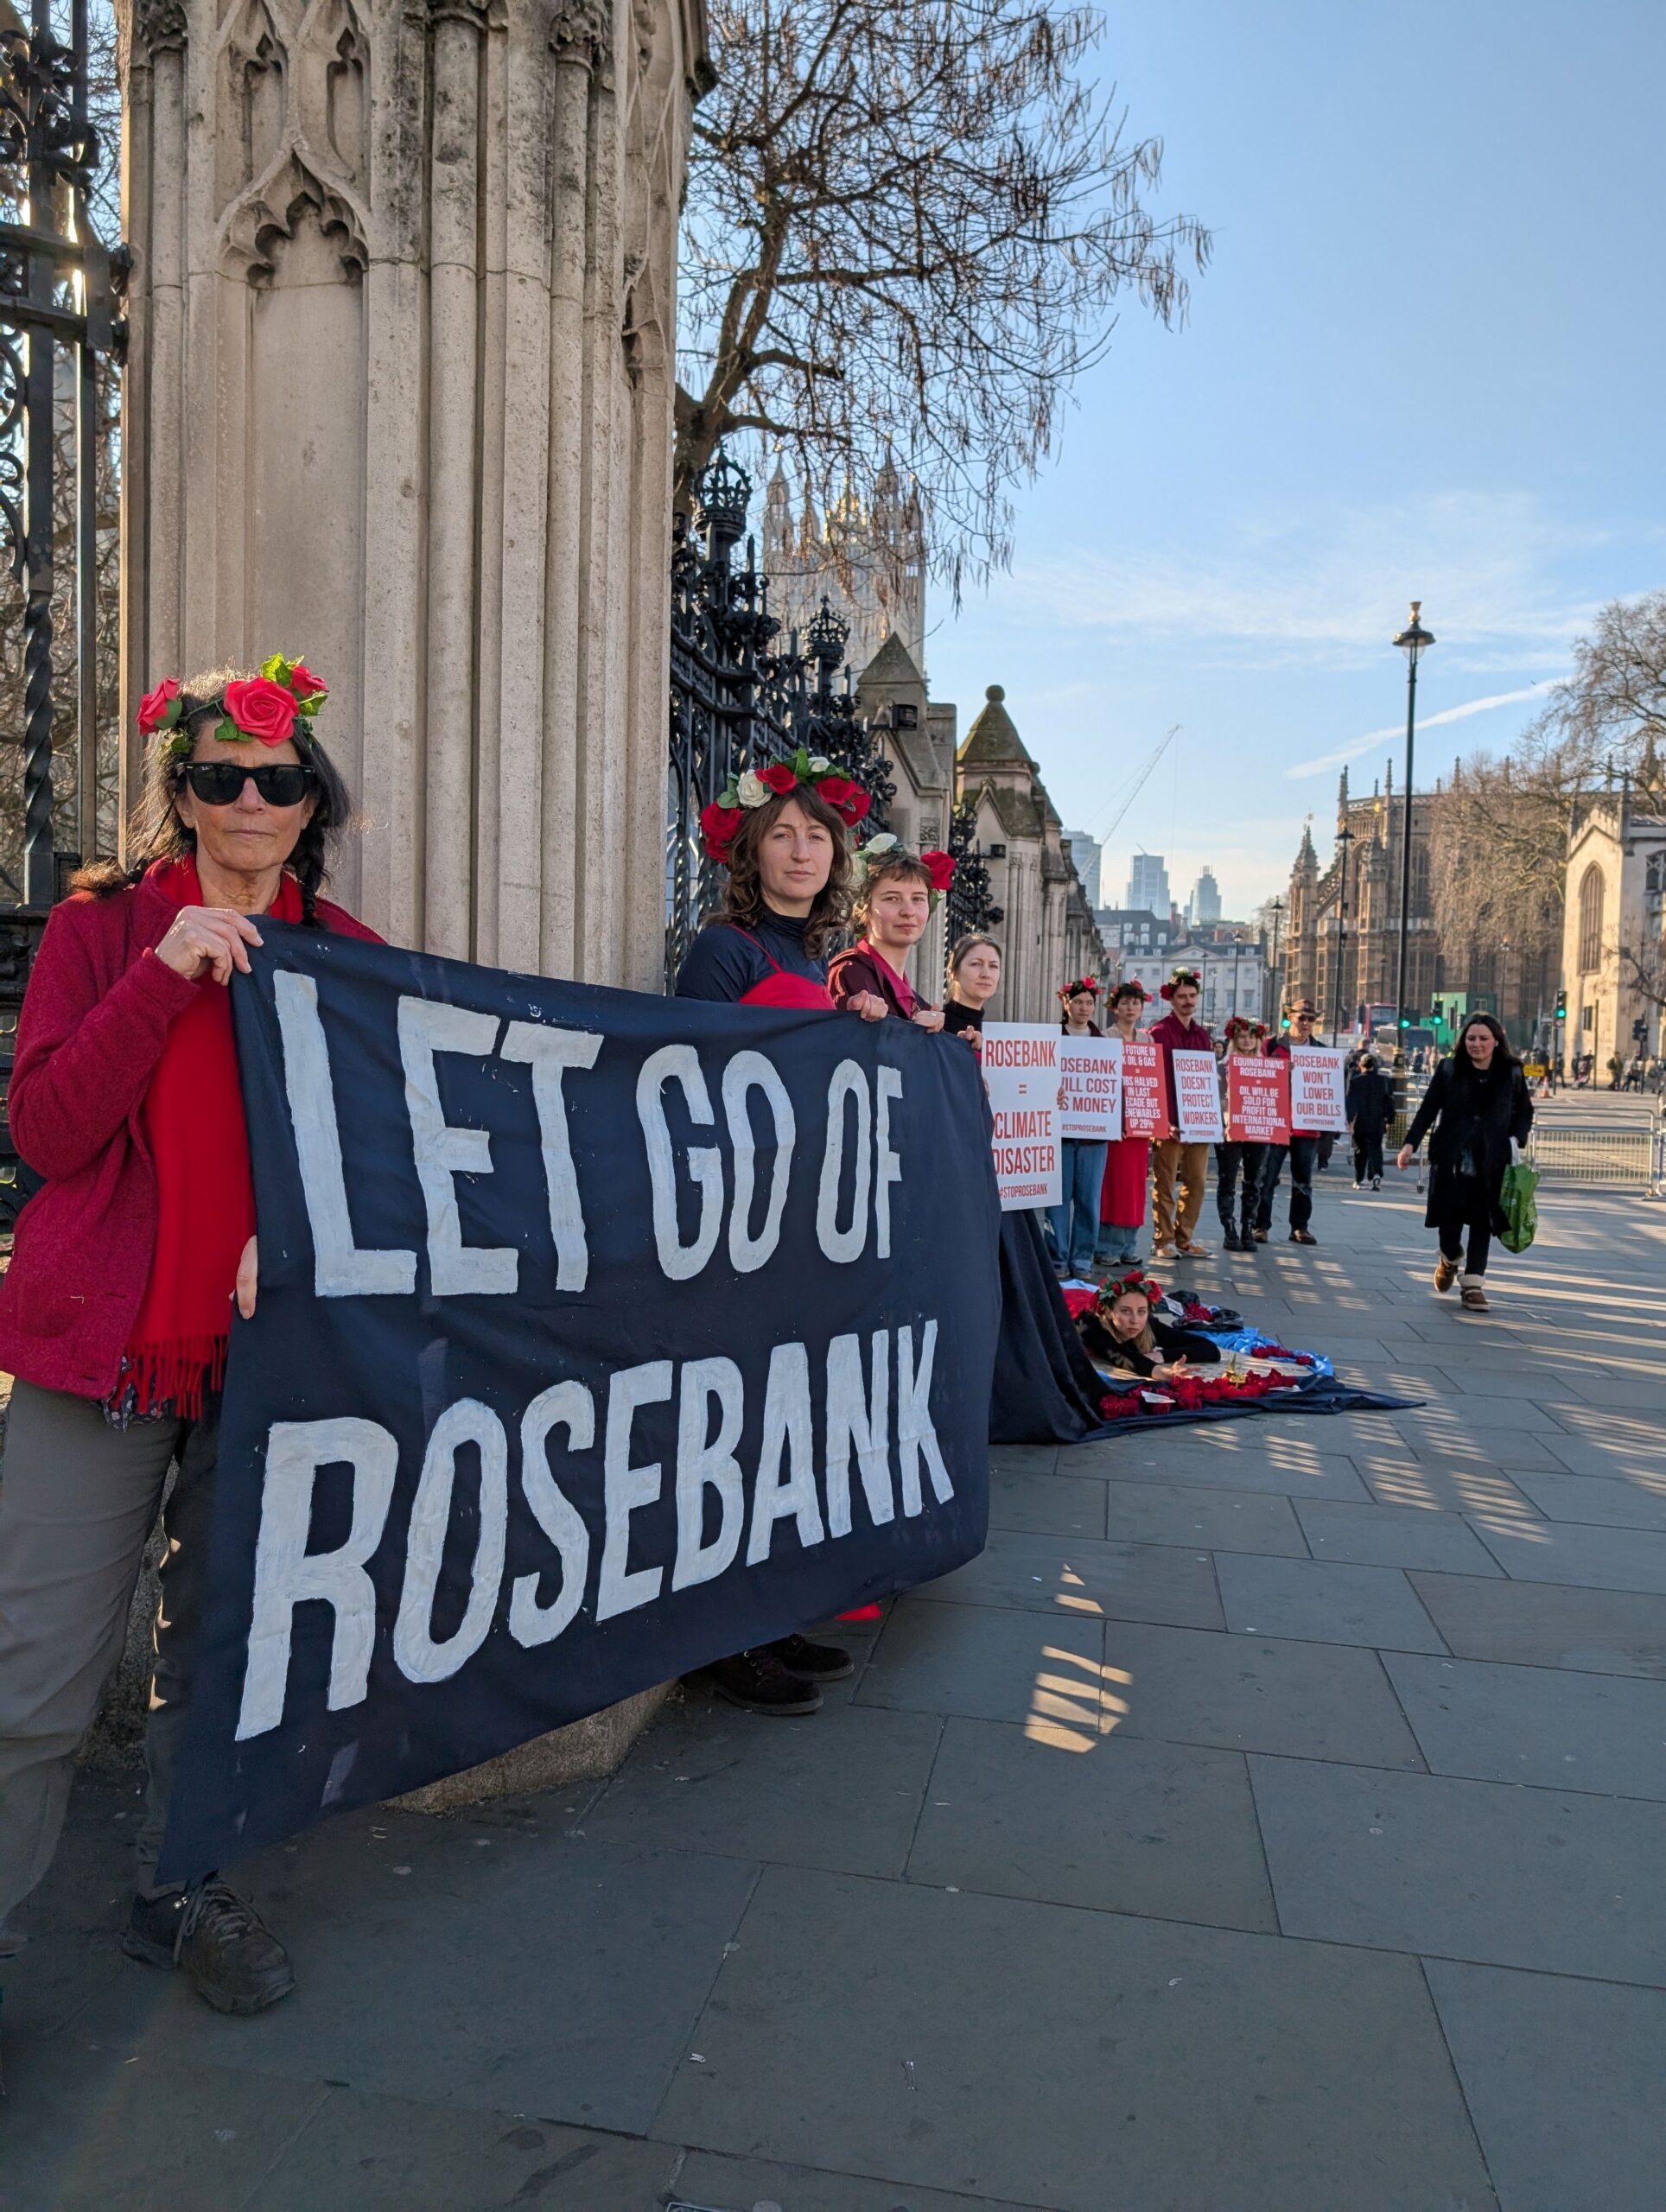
column 1413, row 641
column 1344, row 838
column 1278, row 988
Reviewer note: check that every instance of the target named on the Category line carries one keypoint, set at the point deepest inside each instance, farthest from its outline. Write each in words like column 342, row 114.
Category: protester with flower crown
column 1244, row 1037
column 782, row 834
column 1122, row 1330
column 895, row 893
column 1302, row 1151
column 1177, row 1161
column 1128, row 1159
column 1073, row 1223
column 115, row 1315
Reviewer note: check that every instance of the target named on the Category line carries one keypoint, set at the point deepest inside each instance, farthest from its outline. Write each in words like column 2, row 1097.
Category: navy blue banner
column 598, row 1336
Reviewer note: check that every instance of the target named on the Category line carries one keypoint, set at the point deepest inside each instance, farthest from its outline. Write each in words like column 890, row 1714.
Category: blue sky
column 1427, row 360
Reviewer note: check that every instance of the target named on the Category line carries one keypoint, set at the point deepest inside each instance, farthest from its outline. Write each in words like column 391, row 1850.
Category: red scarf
column 192, row 1121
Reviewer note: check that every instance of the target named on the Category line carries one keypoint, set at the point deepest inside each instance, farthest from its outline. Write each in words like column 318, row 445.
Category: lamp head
column 1415, row 640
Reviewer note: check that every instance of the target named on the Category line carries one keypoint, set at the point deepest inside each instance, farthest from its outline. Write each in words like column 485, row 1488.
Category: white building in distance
column 1147, row 884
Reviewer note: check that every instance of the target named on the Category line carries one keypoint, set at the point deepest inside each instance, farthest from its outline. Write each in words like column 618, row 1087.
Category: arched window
column 1591, row 919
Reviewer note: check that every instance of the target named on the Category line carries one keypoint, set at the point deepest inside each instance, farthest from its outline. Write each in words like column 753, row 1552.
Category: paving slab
column 1543, row 1625
column 1244, row 1692
column 1467, row 1870
column 989, row 1662
column 1024, row 1459
column 413, row 1984
column 1323, row 1603
column 1051, row 1505
column 842, row 1788
column 1576, row 1556
column 1183, row 2066
column 1609, row 1443
column 1282, row 1466
column 706, row 2178
column 1392, row 1535
column 1071, row 1574
column 1164, row 1829
column 1459, row 1486
column 1607, row 1501
column 1562, row 2082
column 1605, row 1733
column 391, row 2154
column 1209, row 1520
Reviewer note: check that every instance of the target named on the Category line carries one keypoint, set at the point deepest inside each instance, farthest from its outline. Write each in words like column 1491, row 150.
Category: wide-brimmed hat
column 1302, row 1006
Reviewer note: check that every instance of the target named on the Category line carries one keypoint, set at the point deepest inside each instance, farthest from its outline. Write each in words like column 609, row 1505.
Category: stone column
column 400, row 399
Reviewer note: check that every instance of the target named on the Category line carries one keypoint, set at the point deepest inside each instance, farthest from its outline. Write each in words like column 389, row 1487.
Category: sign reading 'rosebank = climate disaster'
column 1021, row 1070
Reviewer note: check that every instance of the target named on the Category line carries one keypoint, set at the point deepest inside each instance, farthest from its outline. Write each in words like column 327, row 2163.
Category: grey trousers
column 77, row 1502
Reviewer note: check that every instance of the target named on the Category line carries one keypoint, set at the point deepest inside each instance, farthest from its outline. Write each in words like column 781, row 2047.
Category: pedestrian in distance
column 1073, row 1224
column 1477, row 1105
column 1302, row 1151
column 1128, row 1159
column 116, row 1313
column 1370, row 1102
column 1239, row 1167
column 1178, row 1166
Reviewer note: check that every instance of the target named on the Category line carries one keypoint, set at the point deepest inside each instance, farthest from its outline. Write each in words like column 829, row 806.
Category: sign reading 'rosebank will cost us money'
column 1021, row 1071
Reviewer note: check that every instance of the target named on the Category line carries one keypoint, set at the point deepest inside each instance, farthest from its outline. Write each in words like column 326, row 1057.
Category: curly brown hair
column 156, row 832
column 744, row 902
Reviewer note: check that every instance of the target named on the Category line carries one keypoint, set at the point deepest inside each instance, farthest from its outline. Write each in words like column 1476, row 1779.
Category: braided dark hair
column 157, row 833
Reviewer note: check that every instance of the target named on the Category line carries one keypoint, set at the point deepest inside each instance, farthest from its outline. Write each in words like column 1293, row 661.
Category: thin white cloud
column 1344, row 754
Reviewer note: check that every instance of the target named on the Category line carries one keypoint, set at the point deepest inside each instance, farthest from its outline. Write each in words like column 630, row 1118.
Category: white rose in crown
column 752, row 789
column 817, row 766
column 877, row 847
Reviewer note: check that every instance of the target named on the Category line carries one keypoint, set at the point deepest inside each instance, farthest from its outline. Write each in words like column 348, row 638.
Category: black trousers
column 1232, row 1160
column 1303, row 1155
column 1466, row 1208
column 1367, row 1154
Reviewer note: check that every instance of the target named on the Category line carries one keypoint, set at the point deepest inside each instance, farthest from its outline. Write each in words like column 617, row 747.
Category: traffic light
column 1405, row 1022
column 1639, row 1031
column 1561, row 1004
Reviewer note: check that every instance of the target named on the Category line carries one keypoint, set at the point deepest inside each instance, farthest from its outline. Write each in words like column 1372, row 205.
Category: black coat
column 1370, row 1097
column 1172, row 1343
column 1481, row 1119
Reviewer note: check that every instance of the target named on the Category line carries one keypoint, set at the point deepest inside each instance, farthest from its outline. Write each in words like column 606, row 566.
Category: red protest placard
column 1257, row 1100
column 1145, row 1094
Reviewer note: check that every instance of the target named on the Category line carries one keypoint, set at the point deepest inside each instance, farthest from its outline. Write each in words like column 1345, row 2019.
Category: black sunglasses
column 220, row 782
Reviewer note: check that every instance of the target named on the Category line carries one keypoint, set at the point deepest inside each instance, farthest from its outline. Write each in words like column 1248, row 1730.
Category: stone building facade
column 1233, row 973
column 399, row 398
column 917, row 736
column 1048, row 932
column 1611, row 939
column 867, row 558
column 1370, row 947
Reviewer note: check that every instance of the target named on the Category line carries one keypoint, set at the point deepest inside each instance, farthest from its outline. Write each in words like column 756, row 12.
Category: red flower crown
column 1068, row 991
column 1181, row 976
column 887, row 850
column 1243, row 1022
column 756, row 787
column 273, row 707
column 1131, row 987
column 1118, row 1286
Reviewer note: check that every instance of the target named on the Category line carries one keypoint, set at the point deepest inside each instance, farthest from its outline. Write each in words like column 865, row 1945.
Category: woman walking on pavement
column 1369, row 1102
column 116, row 1313
column 1244, row 1037
column 1476, row 1105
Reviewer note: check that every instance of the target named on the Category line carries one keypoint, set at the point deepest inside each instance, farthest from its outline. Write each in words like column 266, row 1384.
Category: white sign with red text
column 1197, row 1097
column 1317, row 1091
column 1091, row 1095
column 1022, row 1072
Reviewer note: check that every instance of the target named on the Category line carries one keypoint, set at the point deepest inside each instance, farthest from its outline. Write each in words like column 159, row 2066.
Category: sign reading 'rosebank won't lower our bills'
column 1022, row 1071
column 1090, row 1093
column 1317, row 1091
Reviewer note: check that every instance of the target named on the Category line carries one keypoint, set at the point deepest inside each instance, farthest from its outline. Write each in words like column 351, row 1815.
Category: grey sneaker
column 221, row 1945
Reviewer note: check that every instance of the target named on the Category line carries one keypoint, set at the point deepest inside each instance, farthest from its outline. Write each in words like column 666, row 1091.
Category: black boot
column 757, row 1683
column 1247, row 1236
column 221, row 1945
column 812, row 1662
column 1230, row 1241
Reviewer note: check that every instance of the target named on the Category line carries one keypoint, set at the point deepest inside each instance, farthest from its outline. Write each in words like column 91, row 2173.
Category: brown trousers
column 1173, row 1159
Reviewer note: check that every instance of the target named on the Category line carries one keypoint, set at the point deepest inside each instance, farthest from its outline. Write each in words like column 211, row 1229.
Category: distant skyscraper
column 1147, row 884
column 1084, row 851
column 1205, row 907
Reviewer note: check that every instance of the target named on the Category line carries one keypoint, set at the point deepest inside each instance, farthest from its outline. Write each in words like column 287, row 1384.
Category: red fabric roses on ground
column 261, row 709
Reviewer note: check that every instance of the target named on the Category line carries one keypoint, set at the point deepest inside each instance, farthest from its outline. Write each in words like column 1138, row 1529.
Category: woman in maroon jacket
column 115, row 1312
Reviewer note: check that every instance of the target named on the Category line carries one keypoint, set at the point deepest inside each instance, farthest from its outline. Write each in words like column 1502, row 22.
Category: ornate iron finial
column 826, row 636
column 724, row 492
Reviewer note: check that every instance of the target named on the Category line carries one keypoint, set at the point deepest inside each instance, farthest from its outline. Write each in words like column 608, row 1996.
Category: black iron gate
column 738, row 703
column 58, row 301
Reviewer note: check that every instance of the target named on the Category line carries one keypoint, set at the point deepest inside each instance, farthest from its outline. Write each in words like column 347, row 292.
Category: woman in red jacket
column 115, row 1312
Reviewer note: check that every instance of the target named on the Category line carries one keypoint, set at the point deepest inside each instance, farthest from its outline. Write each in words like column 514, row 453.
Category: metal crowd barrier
column 1620, row 1155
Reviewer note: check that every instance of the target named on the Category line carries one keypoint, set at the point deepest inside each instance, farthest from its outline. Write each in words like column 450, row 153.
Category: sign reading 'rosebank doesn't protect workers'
column 598, row 1337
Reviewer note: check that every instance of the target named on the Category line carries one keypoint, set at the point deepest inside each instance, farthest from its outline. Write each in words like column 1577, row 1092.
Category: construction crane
column 1135, row 789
